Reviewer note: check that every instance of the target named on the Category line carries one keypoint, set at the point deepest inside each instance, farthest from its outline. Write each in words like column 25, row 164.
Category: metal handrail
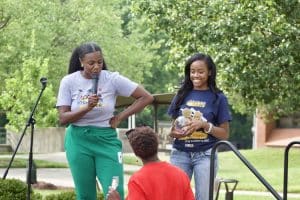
column 244, row 160
column 285, row 168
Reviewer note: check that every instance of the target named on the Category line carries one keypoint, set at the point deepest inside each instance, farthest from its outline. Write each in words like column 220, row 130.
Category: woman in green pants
column 86, row 102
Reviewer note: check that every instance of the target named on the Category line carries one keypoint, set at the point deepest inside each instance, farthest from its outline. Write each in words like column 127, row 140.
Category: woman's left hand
column 114, row 121
column 193, row 126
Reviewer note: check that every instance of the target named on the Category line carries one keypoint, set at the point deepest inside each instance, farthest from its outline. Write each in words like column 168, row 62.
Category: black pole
column 245, row 161
column 212, row 171
column 30, row 161
column 30, row 122
column 286, row 168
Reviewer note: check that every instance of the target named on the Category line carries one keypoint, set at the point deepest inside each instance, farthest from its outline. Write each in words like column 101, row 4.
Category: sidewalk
column 60, row 177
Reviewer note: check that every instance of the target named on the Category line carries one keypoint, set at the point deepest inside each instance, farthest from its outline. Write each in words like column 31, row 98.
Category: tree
column 255, row 44
column 160, row 78
column 59, row 26
column 45, row 33
column 20, row 94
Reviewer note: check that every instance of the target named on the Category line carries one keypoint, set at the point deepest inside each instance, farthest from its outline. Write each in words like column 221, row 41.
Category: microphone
column 43, row 80
column 95, row 83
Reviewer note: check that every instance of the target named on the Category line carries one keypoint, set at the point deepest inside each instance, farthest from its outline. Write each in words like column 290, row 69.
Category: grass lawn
column 45, row 193
column 22, row 163
column 248, row 197
column 132, row 160
column 268, row 162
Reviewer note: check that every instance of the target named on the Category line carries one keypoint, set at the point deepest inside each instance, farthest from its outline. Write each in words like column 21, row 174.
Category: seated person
column 156, row 180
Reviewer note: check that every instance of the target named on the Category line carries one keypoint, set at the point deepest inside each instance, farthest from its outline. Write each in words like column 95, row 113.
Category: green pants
column 94, row 152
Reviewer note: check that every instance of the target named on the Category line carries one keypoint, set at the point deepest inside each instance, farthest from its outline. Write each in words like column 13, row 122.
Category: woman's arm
column 67, row 116
column 142, row 99
column 221, row 132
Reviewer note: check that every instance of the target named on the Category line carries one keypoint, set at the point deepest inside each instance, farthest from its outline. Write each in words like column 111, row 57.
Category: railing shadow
column 244, row 160
column 285, row 168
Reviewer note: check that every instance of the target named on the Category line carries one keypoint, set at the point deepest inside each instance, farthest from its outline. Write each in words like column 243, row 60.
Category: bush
column 14, row 189
column 69, row 195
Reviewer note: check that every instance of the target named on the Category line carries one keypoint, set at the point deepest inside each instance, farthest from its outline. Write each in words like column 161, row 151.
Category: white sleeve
column 124, row 86
column 64, row 94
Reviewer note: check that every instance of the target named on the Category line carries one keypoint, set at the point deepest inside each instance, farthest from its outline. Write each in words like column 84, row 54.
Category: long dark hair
column 79, row 53
column 187, row 84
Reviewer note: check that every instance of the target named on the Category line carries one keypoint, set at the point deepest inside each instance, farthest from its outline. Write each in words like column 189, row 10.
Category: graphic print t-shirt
column 75, row 89
column 212, row 107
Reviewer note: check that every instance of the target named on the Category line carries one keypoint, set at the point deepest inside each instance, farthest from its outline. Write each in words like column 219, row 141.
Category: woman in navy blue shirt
column 205, row 112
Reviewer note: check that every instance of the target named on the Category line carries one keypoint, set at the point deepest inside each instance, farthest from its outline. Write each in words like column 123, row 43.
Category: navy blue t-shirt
column 213, row 107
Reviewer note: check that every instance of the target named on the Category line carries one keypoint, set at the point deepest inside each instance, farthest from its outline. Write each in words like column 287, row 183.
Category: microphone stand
column 30, row 122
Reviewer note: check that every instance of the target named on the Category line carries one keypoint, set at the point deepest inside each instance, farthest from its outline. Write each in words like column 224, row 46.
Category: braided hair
column 80, row 52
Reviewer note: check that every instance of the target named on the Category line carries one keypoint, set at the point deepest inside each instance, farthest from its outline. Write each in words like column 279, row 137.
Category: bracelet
column 209, row 128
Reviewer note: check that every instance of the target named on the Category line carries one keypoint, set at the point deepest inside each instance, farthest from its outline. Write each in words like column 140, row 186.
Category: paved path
column 57, row 176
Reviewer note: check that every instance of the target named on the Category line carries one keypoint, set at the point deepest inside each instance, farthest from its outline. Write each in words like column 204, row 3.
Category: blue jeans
column 197, row 163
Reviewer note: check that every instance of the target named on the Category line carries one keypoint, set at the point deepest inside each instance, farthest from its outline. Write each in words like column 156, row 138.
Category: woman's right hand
column 175, row 133
column 92, row 101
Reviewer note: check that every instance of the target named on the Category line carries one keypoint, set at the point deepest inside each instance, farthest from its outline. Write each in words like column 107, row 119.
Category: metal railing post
column 285, row 168
column 244, row 160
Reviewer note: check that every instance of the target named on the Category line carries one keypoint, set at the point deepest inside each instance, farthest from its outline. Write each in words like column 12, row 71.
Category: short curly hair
column 144, row 141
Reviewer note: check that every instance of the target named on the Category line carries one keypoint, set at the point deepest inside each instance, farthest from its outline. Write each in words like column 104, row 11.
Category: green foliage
column 69, row 195
column 59, row 26
column 254, row 43
column 21, row 92
column 159, row 79
column 3, row 119
column 14, row 189
column 47, row 32
column 145, row 118
column 240, row 130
